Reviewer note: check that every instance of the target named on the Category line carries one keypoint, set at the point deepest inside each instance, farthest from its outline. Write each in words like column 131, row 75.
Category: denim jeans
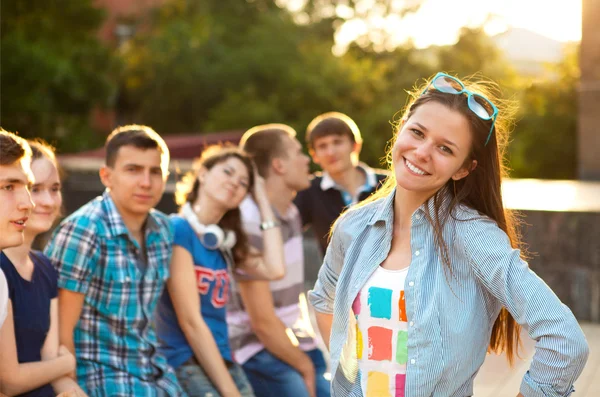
column 196, row 383
column 271, row 377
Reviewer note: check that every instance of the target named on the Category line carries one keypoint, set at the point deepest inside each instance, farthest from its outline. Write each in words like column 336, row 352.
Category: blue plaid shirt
column 450, row 316
column 115, row 343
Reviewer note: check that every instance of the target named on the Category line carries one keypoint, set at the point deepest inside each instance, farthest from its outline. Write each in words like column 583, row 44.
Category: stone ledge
column 565, row 250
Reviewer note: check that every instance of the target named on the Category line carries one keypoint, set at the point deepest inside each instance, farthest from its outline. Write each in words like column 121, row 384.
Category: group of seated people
column 127, row 301
column 421, row 278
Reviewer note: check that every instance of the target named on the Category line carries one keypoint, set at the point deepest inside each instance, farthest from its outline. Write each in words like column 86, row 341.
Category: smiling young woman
column 425, row 277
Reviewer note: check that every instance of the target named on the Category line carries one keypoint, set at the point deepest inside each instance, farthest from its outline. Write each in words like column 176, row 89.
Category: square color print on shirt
column 381, row 333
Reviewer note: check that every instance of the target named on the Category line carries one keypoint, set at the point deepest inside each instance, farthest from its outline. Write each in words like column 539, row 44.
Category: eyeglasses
column 480, row 105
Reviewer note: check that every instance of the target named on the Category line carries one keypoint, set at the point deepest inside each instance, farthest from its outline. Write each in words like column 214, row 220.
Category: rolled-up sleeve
column 561, row 350
column 323, row 294
column 73, row 252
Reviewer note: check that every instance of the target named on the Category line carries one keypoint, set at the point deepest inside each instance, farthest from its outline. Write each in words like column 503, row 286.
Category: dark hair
column 265, row 142
column 188, row 188
column 332, row 123
column 12, row 148
column 139, row 136
column 480, row 190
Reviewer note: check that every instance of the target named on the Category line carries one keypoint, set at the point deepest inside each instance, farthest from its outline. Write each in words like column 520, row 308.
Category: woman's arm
column 183, row 291
column 324, row 322
column 270, row 264
column 18, row 378
column 561, row 349
column 322, row 296
column 50, row 350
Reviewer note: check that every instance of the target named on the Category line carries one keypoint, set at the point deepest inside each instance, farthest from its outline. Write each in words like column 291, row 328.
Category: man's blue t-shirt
column 31, row 309
column 212, row 281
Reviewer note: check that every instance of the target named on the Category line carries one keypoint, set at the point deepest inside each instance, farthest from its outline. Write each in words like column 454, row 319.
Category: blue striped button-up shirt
column 114, row 339
column 450, row 316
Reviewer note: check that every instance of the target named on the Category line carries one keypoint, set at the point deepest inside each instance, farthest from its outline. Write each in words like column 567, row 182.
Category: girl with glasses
column 426, row 276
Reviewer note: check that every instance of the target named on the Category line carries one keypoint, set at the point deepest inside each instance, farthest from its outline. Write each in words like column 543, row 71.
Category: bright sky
column 438, row 21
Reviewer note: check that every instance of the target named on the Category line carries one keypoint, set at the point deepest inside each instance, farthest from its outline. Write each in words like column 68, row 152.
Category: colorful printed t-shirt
column 381, row 333
column 212, row 281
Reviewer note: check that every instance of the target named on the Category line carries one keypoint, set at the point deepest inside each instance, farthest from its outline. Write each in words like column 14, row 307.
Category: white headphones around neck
column 211, row 236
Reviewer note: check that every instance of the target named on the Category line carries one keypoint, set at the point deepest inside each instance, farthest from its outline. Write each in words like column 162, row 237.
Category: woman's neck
column 406, row 203
column 207, row 211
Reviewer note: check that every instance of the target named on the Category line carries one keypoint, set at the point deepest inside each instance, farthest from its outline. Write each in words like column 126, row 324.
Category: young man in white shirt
column 334, row 142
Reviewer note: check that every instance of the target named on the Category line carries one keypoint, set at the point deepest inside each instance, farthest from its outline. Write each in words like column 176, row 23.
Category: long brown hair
column 189, row 187
column 480, row 190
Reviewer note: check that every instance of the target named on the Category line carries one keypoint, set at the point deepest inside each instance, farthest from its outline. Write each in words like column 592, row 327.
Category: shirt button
column 418, row 216
column 413, row 361
column 417, row 253
column 411, row 323
column 410, row 284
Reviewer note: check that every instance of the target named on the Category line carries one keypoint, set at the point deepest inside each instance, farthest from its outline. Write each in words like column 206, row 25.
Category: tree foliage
column 54, row 70
column 475, row 53
column 545, row 141
column 213, row 65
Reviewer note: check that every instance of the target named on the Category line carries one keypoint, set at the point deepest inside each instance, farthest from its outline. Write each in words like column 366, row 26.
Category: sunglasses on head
column 480, row 105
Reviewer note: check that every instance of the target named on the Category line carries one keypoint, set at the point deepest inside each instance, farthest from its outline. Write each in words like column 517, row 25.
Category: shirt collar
column 327, row 181
column 115, row 220
column 385, row 212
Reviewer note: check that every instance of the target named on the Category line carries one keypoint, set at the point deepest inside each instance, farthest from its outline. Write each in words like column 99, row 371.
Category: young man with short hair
column 271, row 333
column 334, row 143
column 113, row 259
column 15, row 178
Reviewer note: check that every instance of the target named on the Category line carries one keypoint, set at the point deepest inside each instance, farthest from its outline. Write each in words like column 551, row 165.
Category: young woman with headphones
column 209, row 243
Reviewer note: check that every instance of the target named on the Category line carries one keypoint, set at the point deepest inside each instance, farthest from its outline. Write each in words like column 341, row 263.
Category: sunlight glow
column 547, row 195
column 438, row 21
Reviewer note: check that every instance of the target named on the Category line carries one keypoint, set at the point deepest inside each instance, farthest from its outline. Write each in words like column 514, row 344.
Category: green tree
column 377, row 16
column 545, row 139
column 216, row 66
column 54, row 70
column 474, row 53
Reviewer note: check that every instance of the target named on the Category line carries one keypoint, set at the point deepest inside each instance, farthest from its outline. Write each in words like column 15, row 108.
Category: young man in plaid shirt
column 113, row 256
